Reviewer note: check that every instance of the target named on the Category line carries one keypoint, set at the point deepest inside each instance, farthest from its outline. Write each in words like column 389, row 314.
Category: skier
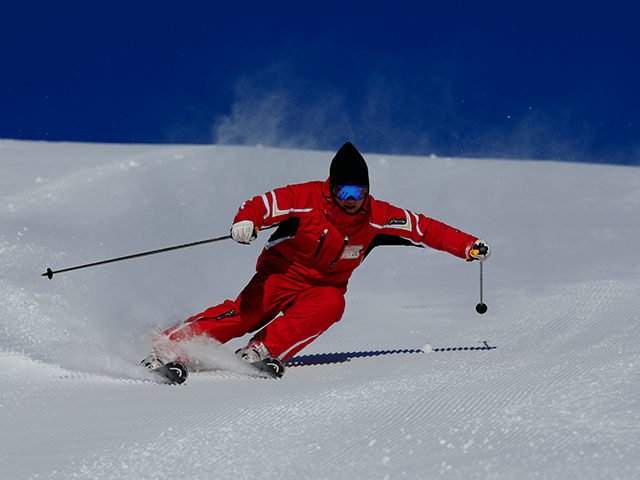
column 324, row 231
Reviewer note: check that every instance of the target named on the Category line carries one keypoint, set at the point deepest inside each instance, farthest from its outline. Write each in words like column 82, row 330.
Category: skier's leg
column 228, row 320
column 312, row 312
column 218, row 319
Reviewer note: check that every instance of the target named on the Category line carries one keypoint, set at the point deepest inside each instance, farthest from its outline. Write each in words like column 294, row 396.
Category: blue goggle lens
column 344, row 192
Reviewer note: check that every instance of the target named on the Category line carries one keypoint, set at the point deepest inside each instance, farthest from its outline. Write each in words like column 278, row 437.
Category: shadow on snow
column 326, row 358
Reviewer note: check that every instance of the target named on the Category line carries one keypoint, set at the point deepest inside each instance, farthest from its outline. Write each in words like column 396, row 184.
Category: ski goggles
column 342, row 192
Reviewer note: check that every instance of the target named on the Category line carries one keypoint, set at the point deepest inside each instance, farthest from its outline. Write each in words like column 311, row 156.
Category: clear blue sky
column 556, row 80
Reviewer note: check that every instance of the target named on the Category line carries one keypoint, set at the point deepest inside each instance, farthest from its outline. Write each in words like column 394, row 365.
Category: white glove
column 480, row 250
column 243, row 232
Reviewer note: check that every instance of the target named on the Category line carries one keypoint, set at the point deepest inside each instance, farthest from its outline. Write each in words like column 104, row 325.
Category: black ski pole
column 481, row 307
column 50, row 273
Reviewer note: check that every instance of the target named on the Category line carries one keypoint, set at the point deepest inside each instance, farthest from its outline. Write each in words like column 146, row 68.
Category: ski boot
column 259, row 357
column 153, row 361
column 174, row 372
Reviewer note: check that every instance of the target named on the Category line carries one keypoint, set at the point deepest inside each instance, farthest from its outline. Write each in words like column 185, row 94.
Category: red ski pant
column 307, row 311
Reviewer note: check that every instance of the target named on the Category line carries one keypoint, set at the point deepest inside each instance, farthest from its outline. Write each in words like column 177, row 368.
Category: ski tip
column 175, row 372
column 178, row 372
column 272, row 366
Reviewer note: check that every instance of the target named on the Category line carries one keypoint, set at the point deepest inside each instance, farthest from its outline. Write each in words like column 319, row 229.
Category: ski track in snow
column 558, row 396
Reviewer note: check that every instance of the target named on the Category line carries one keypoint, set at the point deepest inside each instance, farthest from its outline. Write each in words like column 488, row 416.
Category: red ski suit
column 305, row 266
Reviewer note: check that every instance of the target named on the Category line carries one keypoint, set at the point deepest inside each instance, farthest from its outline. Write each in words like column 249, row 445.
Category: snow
column 556, row 396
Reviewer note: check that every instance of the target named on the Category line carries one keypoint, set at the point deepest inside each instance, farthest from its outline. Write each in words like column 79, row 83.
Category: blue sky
column 549, row 80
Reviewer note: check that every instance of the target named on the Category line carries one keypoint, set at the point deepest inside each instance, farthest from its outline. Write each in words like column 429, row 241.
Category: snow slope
column 556, row 396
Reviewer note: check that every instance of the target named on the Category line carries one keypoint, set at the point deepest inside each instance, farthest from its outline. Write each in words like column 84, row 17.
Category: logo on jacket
column 398, row 221
column 230, row 313
column 351, row 252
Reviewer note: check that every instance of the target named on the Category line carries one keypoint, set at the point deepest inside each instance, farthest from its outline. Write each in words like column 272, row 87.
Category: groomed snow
column 557, row 395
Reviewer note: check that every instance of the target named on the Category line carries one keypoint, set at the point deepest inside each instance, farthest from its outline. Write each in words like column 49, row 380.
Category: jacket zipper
column 324, row 235
column 344, row 244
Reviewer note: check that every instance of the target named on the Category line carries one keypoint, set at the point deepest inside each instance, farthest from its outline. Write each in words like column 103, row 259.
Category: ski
column 174, row 372
column 272, row 366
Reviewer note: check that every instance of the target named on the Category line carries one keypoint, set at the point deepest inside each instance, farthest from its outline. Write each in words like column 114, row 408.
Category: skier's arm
column 423, row 230
column 263, row 211
column 443, row 237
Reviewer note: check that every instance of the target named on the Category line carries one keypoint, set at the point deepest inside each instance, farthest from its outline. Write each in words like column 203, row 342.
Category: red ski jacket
column 322, row 245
